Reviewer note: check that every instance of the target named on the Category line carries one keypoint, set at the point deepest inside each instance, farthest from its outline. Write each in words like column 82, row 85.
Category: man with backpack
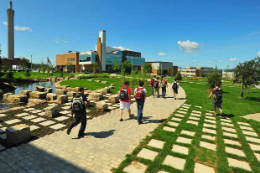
column 78, row 107
column 164, row 84
column 125, row 100
column 217, row 98
column 140, row 96
column 175, row 88
column 156, row 86
column 151, row 83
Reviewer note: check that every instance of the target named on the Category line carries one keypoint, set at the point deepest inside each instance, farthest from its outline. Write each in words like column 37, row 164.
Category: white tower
column 102, row 35
column 10, row 31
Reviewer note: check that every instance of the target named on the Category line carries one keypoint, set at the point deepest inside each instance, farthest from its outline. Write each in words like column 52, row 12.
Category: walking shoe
column 140, row 122
column 131, row 116
column 121, row 119
column 81, row 135
column 68, row 131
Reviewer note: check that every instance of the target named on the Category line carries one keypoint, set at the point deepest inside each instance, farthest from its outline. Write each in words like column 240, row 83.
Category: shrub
column 178, row 76
column 27, row 73
column 214, row 78
column 61, row 74
column 9, row 74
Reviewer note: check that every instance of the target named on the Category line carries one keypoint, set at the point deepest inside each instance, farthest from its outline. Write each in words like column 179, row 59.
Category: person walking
column 156, row 85
column 140, row 96
column 78, row 107
column 175, row 88
column 164, row 84
column 217, row 98
column 151, row 83
column 125, row 100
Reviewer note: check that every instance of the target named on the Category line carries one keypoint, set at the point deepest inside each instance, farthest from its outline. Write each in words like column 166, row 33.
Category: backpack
column 163, row 84
column 152, row 81
column 139, row 95
column 123, row 94
column 77, row 103
column 174, row 85
column 156, row 84
column 217, row 95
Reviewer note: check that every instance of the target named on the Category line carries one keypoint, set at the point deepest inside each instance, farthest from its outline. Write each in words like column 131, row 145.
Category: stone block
column 174, row 162
column 184, row 140
column 208, row 145
column 135, row 167
column 16, row 98
column 105, row 90
column 97, row 80
column 39, row 88
column 71, row 93
column 95, row 96
column 169, row 129
column 199, row 168
column 48, row 90
column 18, row 134
column 51, row 97
column 13, row 121
column 25, row 92
column 239, row 164
column 147, row 154
column 52, row 111
column 104, row 82
column 113, row 99
column 156, row 143
column 61, row 91
column 62, row 99
column 47, row 123
column 180, row 149
column 102, row 105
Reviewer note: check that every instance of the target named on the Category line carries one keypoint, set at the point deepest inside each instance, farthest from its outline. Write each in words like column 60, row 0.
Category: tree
column 95, row 67
column 214, row 78
column 147, row 68
column 170, row 71
column 127, row 65
column 27, row 73
column 116, row 66
column 178, row 76
column 201, row 73
column 247, row 73
column 70, row 67
column 49, row 65
column 43, row 67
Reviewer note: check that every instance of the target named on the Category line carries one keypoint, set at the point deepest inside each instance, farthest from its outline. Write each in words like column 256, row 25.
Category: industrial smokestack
column 10, row 31
column 102, row 35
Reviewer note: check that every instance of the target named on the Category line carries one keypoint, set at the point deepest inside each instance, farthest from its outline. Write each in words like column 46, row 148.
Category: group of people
column 156, row 85
column 79, row 101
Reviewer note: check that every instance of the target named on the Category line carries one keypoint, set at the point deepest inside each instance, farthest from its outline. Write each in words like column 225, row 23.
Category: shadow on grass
column 226, row 115
column 256, row 99
column 102, row 134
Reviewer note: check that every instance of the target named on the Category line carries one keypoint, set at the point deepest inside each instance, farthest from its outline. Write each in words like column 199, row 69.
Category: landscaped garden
column 194, row 140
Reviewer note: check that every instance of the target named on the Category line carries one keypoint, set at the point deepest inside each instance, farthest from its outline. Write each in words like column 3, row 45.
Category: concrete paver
column 13, row 121
column 199, row 168
column 147, row 154
column 209, row 137
column 229, row 129
column 231, row 142
column 136, row 167
column 184, row 140
column 235, row 151
column 209, row 146
column 254, row 147
column 186, row 132
column 230, row 134
column 192, row 122
column 2, row 115
column 175, row 162
column 156, row 143
column 169, row 129
column 180, row 149
column 239, row 164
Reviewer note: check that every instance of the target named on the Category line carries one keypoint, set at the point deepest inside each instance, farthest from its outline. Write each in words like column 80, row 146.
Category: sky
column 203, row 33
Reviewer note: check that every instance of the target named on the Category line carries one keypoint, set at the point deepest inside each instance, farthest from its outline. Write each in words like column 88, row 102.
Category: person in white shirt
column 175, row 88
column 140, row 96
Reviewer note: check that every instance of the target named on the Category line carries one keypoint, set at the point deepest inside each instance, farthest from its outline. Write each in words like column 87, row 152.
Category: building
column 198, row 71
column 104, row 57
column 158, row 65
column 10, row 31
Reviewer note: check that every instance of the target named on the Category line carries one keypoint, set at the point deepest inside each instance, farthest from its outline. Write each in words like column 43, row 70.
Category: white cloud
column 120, row 47
column 162, row 54
column 258, row 54
column 195, row 61
column 20, row 28
column 188, row 46
column 233, row 59
column 219, row 61
column 58, row 40
column 252, row 34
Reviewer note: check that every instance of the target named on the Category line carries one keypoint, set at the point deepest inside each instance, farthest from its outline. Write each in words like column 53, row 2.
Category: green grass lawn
column 118, row 84
column 36, row 75
column 197, row 95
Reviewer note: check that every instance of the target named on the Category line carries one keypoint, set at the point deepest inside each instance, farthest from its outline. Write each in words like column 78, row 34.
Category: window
column 71, row 59
column 84, row 59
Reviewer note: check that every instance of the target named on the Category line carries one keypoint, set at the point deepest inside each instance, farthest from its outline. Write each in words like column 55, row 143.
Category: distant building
column 228, row 75
column 198, row 71
column 157, row 66
column 104, row 56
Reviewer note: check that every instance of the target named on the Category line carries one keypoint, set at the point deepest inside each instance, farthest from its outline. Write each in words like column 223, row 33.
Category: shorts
column 175, row 91
column 216, row 105
column 124, row 105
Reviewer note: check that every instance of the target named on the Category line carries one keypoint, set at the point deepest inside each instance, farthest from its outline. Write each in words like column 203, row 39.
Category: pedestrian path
column 105, row 145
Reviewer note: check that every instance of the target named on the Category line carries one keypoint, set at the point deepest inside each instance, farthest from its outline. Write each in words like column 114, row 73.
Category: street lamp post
column 31, row 63
column 132, row 63
column 161, row 69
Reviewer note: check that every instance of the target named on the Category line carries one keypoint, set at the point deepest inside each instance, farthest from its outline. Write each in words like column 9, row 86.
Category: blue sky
column 187, row 32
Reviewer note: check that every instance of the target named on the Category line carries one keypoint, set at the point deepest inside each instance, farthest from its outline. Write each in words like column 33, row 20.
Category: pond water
column 26, row 86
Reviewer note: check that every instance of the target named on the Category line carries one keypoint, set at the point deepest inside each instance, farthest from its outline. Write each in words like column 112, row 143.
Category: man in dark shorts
column 217, row 98
column 175, row 87
column 78, row 107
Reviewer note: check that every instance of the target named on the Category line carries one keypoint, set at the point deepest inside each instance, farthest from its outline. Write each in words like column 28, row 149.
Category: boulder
column 70, row 89
column 39, row 88
column 71, row 93
column 61, row 91
column 5, row 96
column 54, row 79
column 51, row 97
column 35, row 102
column 62, row 99
column 106, row 90
column 18, row 134
column 77, row 89
column 102, row 105
column 25, row 92
column 33, row 94
column 118, row 93
column 95, row 96
column 113, row 99
column 48, row 90
column 92, row 103
column 97, row 80
column 17, row 98
column 38, row 95
column 52, row 111
column 90, row 79
column 104, row 82
column 111, row 87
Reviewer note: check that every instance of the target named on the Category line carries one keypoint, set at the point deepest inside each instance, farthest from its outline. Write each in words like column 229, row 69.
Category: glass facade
column 111, row 59
column 136, row 61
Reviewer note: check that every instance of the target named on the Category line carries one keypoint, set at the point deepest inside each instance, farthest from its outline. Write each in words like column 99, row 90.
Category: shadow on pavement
column 102, row 134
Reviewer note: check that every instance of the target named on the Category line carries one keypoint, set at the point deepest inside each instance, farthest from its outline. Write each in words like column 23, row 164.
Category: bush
column 61, row 74
column 214, row 78
column 178, row 76
column 27, row 73
column 9, row 74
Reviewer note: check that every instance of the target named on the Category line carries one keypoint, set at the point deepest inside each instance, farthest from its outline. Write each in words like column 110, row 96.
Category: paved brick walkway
column 106, row 142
